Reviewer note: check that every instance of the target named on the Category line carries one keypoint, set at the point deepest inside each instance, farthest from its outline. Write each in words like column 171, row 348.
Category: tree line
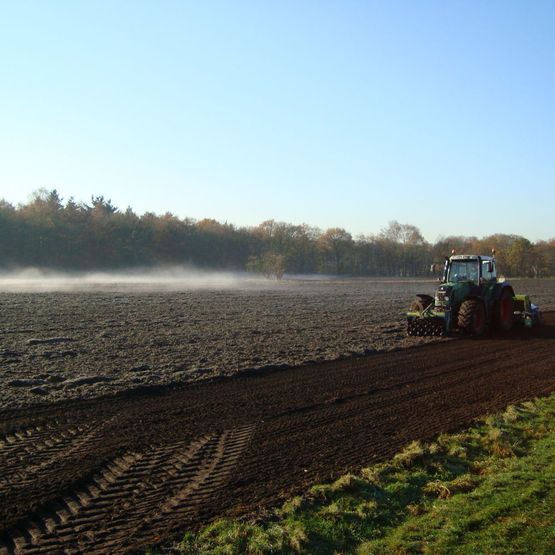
column 48, row 233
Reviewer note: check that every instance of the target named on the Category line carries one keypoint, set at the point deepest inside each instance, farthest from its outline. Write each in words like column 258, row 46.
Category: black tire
column 504, row 310
column 472, row 317
column 422, row 302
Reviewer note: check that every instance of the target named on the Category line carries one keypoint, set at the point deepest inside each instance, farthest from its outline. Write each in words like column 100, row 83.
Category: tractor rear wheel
column 505, row 310
column 472, row 317
column 421, row 303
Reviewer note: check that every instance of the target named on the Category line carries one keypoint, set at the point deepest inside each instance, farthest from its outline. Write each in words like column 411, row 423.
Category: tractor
column 470, row 299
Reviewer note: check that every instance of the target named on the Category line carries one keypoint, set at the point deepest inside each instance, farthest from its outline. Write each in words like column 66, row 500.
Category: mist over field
column 163, row 278
column 157, row 279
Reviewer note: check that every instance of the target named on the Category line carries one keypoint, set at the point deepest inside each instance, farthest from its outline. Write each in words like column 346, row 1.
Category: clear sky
column 346, row 113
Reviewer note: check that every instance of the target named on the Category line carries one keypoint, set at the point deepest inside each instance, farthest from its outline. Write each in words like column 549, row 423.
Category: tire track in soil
column 25, row 452
column 136, row 493
column 115, row 474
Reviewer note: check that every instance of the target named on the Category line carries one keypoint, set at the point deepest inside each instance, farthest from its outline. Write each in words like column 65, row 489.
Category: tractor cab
column 469, row 268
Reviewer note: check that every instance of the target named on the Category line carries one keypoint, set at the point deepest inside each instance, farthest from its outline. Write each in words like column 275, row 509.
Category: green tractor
column 470, row 299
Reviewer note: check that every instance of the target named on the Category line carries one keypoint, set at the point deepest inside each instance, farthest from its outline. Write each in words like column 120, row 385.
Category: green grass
column 489, row 489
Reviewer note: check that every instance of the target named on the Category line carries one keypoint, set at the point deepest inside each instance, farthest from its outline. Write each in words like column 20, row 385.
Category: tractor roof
column 471, row 257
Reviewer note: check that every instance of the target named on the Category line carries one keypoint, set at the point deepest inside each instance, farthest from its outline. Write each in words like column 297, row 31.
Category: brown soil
column 114, row 474
column 76, row 345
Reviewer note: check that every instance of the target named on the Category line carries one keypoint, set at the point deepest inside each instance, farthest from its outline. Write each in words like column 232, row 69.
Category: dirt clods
column 116, row 473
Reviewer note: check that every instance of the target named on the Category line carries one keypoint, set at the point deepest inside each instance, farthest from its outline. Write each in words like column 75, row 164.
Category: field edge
column 483, row 487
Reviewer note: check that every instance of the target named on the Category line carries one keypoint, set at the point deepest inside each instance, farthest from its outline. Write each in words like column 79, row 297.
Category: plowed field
column 114, row 474
column 93, row 342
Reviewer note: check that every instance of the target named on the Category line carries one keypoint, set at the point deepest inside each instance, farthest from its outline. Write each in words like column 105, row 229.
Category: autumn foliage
column 48, row 233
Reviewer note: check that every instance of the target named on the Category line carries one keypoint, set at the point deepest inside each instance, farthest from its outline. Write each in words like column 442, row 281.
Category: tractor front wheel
column 421, row 303
column 472, row 317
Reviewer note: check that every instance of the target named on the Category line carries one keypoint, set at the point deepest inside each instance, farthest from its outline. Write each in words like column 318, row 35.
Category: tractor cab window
column 485, row 273
column 464, row 270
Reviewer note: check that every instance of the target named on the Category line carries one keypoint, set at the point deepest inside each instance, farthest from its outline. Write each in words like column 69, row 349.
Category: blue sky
column 345, row 113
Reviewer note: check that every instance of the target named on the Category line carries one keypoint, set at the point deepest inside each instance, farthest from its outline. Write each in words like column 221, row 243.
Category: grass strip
column 488, row 489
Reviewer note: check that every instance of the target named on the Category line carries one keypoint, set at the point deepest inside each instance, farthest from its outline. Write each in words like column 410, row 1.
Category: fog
column 166, row 278
column 174, row 278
